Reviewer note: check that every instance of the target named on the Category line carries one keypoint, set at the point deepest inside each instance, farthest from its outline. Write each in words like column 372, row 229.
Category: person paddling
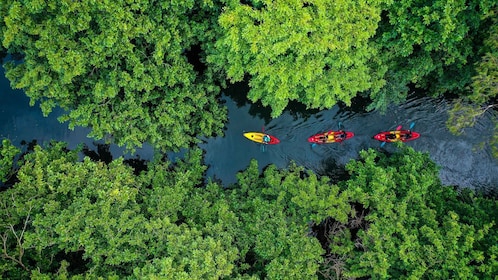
column 266, row 139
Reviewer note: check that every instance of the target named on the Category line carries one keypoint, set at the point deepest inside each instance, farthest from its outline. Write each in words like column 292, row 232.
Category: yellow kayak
column 259, row 138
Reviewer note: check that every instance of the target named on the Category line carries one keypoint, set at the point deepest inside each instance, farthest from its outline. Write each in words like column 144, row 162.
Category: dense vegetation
column 68, row 218
column 138, row 71
column 146, row 70
column 119, row 67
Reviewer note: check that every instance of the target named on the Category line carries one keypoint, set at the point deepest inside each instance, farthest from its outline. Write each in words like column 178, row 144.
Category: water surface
column 461, row 160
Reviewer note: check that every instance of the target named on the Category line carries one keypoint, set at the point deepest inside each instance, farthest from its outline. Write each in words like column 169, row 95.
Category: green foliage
column 315, row 52
column 462, row 115
column 485, row 82
column 161, row 224
column 67, row 218
column 484, row 90
column 275, row 210
column 429, row 44
column 8, row 152
column 111, row 218
column 119, row 67
column 417, row 229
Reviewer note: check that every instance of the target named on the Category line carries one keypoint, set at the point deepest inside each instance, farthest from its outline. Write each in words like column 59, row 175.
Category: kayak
column 258, row 137
column 397, row 135
column 330, row 137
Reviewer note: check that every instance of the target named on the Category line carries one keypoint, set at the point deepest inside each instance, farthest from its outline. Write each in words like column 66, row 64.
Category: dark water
column 462, row 162
column 20, row 122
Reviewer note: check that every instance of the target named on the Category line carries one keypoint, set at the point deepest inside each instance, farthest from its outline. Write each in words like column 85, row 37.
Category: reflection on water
column 461, row 160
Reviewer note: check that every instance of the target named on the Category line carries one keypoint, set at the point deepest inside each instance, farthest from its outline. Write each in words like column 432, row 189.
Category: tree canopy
column 482, row 93
column 119, row 67
column 414, row 227
column 67, row 218
column 431, row 45
column 315, row 52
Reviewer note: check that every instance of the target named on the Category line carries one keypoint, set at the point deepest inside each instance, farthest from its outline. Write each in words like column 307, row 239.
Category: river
column 461, row 159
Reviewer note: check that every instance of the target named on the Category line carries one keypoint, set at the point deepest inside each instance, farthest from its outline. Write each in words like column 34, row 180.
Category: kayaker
column 341, row 136
column 266, row 139
column 325, row 137
column 406, row 136
column 391, row 136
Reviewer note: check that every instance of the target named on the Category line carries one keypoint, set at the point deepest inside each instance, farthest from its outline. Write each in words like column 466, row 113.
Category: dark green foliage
column 483, row 92
column 276, row 210
column 67, row 218
column 160, row 224
column 429, row 44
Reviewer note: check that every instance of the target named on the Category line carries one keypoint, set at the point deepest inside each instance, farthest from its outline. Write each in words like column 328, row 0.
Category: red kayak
column 397, row 135
column 330, row 137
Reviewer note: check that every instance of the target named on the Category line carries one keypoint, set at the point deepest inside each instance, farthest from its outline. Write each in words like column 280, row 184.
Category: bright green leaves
column 115, row 221
column 117, row 67
column 275, row 210
column 84, row 205
column 314, row 52
column 8, row 152
column 413, row 229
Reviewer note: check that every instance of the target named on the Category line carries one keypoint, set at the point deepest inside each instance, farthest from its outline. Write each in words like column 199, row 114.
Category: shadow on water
column 330, row 168
column 104, row 154
column 238, row 93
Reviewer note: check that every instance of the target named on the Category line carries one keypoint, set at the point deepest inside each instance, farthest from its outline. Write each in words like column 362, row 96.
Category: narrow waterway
column 462, row 160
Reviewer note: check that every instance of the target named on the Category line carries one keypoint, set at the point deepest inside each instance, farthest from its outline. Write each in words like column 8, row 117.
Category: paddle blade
column 382, row 144
column 399, row 127
column 339, row 125
column 412, row 125
column 313, row 145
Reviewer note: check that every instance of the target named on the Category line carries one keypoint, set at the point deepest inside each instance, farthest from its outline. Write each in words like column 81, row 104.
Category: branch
column 19, row 239
column 488, row 107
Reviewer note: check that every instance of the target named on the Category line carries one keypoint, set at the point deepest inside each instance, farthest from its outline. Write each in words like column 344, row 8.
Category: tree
column 415, row 228
column 118, row 67
column 276, row 210
column 8, row 152
column 482, row 93
column 68, row 218
column 315, row 52
column 430, row 45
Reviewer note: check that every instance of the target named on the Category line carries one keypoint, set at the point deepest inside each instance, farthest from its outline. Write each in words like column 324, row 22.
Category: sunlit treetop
column 119, row 67
column 315, row 52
